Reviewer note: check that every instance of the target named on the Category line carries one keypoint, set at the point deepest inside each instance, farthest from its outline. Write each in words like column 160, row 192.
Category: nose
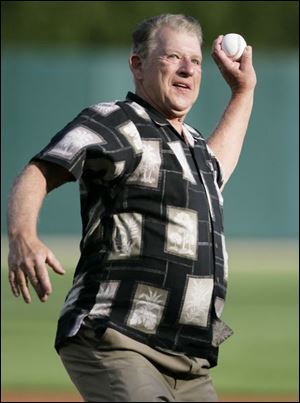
column 186, row 68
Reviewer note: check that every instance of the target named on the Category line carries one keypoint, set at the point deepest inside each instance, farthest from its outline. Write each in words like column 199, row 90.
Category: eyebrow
column 197, row 56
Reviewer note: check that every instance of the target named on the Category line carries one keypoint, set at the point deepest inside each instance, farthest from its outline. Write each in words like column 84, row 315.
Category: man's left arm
column 227, row 139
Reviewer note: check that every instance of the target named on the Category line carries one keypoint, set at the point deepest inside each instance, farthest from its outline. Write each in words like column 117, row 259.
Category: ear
column 136, row 66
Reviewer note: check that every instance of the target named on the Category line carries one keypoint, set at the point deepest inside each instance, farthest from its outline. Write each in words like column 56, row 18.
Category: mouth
column 182, row 86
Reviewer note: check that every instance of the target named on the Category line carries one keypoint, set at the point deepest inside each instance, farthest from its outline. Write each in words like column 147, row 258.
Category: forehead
column 170, row 39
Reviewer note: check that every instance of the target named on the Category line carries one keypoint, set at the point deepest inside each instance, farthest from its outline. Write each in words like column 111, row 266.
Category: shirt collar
column 156, row 116
column 189, row 134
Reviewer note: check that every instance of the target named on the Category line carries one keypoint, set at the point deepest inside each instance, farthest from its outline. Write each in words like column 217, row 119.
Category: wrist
column 24, row 233
column 241, row 98
column 242, row 92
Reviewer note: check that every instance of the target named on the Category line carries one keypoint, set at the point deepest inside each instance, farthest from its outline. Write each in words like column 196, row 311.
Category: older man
column 142, row 319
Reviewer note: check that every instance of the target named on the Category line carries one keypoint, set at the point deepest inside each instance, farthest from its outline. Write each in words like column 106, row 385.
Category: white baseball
column 233, row 45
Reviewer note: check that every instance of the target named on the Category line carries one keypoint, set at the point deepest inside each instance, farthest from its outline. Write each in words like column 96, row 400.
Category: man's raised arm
column 227, row 139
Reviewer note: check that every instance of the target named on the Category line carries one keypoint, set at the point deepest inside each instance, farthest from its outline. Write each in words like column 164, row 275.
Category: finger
column 54, row 264
column 44, row 286
column 217, row 43
column 223, row 62
column 35, row 279
column 13, row 283
column 23, row 286
column 246, row 59
column 221, row 57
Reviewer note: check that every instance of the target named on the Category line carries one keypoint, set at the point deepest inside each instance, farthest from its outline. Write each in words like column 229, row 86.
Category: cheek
column 159, row 81
column 197, row 83
column 154, row 77
column 158, row 78
column 200, row 76
column 166, row 71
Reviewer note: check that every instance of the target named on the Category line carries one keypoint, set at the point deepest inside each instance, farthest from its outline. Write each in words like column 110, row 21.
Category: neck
column 177, row 124
column 175, row 121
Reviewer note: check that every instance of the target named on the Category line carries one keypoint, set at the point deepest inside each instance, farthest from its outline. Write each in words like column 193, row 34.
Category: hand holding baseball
column 234, row 59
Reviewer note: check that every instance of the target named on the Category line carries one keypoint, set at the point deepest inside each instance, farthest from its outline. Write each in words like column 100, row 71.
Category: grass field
column 262, row 309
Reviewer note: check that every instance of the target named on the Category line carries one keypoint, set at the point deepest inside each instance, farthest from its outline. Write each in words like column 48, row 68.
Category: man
column 142, row 319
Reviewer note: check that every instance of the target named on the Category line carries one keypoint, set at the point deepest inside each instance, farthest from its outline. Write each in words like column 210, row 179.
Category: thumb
column 246, row 59
column 55, row 264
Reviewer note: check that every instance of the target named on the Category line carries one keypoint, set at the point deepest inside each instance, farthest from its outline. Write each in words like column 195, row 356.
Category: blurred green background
column 57, row 58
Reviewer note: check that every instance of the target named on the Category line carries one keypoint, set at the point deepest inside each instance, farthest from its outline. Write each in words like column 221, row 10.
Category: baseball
column 233, row 45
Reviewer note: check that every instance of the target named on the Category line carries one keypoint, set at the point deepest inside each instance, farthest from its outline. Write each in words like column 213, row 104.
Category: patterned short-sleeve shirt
column 153, row 263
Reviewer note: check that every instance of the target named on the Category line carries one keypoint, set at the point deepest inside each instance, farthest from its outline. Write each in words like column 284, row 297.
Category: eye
column 196, row 62
column 173, row 56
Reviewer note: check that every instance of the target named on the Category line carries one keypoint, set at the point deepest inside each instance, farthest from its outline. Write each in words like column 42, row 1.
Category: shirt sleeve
column 217, row 168
column 92, row 143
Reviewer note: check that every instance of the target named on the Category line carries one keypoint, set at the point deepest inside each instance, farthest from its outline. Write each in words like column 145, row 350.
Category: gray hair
column 144, row 34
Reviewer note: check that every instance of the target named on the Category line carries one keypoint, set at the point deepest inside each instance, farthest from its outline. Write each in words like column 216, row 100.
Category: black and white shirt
column 153, row 263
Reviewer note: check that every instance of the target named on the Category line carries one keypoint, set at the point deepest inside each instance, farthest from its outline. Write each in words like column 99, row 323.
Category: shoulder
column 104, row 108
column 103, row 117
column 113, row 114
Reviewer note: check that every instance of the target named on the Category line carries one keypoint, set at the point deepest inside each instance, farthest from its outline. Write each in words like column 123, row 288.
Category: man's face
column 169, row 78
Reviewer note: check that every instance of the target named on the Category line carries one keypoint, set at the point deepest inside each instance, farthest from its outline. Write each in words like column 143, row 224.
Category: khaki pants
column 116, row 368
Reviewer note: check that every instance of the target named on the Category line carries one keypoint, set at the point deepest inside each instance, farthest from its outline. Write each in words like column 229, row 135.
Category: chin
column 181, row 107
column 180, row 111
